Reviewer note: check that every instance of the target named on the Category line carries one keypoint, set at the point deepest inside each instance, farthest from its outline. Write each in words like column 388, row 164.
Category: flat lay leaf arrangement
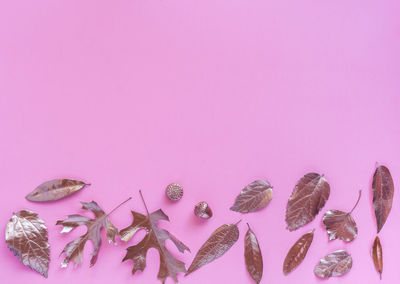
column 27, row 236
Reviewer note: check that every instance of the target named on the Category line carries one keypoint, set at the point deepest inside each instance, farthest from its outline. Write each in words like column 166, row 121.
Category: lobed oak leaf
column 155, row 238
column 74, row 249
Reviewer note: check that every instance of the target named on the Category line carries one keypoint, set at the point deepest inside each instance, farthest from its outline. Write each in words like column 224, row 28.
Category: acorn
column 202, row 210
column 174, row 191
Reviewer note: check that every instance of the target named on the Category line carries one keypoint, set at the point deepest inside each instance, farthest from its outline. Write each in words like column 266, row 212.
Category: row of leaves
column 26, row 234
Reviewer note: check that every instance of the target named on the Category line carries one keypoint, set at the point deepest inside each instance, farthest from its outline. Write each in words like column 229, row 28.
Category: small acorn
column 202, row 210
column 174, row 191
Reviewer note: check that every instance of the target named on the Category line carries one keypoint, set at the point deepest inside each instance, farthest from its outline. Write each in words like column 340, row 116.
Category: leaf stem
column 358, row 200
column 119, row 206
column 238, row 222
column 144, row 203
column 248, row 226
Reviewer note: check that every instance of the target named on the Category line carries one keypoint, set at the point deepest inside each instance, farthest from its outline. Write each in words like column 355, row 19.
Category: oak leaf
column 253, row 197
column 307, row 199
column 253, row 256
column 74, row 249
column 341, row 225
column 297, row 252
column 26, row 237
column 55, row 189
column 382, row 190
column 155, row 238
column 220, row 241
column 334, row 264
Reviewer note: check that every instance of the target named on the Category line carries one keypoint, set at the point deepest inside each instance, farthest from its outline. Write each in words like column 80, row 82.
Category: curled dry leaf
column 307, row 199
column 334, row 264
column 341, row 225
column 377, row 256
column 74, row 249
column 220, row 241
column 253, row 256
column 26, row 237
column 297, row 252
column 55, row 189
column 155, row 238
column 382, row 190
column 253, row 197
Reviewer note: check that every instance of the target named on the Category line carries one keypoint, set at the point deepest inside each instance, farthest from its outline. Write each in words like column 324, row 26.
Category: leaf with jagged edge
column 26, row 236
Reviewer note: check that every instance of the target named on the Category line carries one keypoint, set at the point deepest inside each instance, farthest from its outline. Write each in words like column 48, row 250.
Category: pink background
column 133, row 95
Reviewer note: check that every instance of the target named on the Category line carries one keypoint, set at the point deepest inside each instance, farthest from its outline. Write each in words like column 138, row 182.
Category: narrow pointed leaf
column 377, row 256
column 334, row 264
column 341, row 225
column 26, row 237
column 55, row 189
column 253, row 256
column 253, row 197
column 155, row 238
column 297, row 252
column 74, row 249
column 307, row 199
column 220, row 241
column 383, row 190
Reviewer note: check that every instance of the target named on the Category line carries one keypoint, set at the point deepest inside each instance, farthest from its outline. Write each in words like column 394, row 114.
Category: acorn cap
column 202, row 210
column 174, row 191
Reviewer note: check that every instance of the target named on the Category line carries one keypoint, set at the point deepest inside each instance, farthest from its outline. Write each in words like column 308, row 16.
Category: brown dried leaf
column 334, row 264
column 307, row 199
column 340, row 225
column 220, row 241
column 155, row 238
column 253, row 197
column 55, row 189
column 74, row 249
column 297, row 252
column 26, row 237
column 253, row 256
column 383, row 190
column 377, row 256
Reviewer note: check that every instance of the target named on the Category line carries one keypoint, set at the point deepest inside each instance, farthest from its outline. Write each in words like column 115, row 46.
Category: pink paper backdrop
column 212, row 94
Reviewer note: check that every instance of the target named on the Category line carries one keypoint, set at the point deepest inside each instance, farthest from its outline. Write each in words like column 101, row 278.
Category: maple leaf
column 74, row 249
column 155, row 238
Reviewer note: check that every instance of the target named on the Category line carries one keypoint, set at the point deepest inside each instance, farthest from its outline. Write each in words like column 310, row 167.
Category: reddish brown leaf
column 220, row 241
column 155, row 238
column 383, row 190
column 253, row 256
column 377, row 256
column 307, row 199
column 74, row 250
column 26, row 237
column 253, row 197
column 340, row 225
column 297, row 252
column 55, row 189
column 334, row 264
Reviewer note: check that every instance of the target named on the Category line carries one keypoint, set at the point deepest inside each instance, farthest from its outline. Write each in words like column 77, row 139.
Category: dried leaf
column 377, row 256
column 383, row 190
column 55, row 189
column 220, row 241
column 26, row 237
column 307, row 199
column 155, row 238
column 74, row 249
column 340, row 225
column 253, row 197
column 334, row 264
column 253, row 256
column 297, row 252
